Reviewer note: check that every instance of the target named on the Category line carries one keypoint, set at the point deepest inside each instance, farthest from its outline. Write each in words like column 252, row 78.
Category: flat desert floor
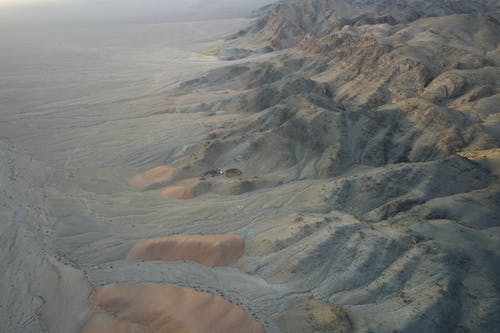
column 82, row 111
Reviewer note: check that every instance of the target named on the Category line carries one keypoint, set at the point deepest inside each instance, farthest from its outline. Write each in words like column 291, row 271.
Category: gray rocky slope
column 359, row 128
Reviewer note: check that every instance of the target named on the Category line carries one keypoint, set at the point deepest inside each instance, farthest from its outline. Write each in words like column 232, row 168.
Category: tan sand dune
column 209, row 250
column 178, row 192
column 145, row 179
column 155, row 308
column 192, row 187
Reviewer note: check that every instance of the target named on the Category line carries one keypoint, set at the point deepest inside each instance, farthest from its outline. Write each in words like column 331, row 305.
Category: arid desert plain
column 311, row 166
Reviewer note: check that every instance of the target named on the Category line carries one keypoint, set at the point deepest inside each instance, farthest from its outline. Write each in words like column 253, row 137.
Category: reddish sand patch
column 162, row 308
column 209, row 250
column 178, row 192
column 150, row 177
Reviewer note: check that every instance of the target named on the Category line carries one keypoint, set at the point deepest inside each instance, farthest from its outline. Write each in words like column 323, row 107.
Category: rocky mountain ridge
column 367, row 118
column 287, row 23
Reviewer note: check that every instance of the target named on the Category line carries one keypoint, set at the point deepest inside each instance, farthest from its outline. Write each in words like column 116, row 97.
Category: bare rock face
column 284, row 25
column 314, row 316
column 164, row 308
column 489, row 158
column 209, row 250
column 362, row 95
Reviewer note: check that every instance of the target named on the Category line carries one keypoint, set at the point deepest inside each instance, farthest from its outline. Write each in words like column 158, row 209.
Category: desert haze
column 248, row 166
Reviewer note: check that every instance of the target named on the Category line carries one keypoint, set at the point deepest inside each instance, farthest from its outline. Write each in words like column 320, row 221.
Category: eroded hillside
column 360, row 130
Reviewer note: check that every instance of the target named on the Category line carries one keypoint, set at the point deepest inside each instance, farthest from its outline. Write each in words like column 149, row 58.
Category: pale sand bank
column 178, row 192
column 165, row 308
column 208, row 250
column 153, row 176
